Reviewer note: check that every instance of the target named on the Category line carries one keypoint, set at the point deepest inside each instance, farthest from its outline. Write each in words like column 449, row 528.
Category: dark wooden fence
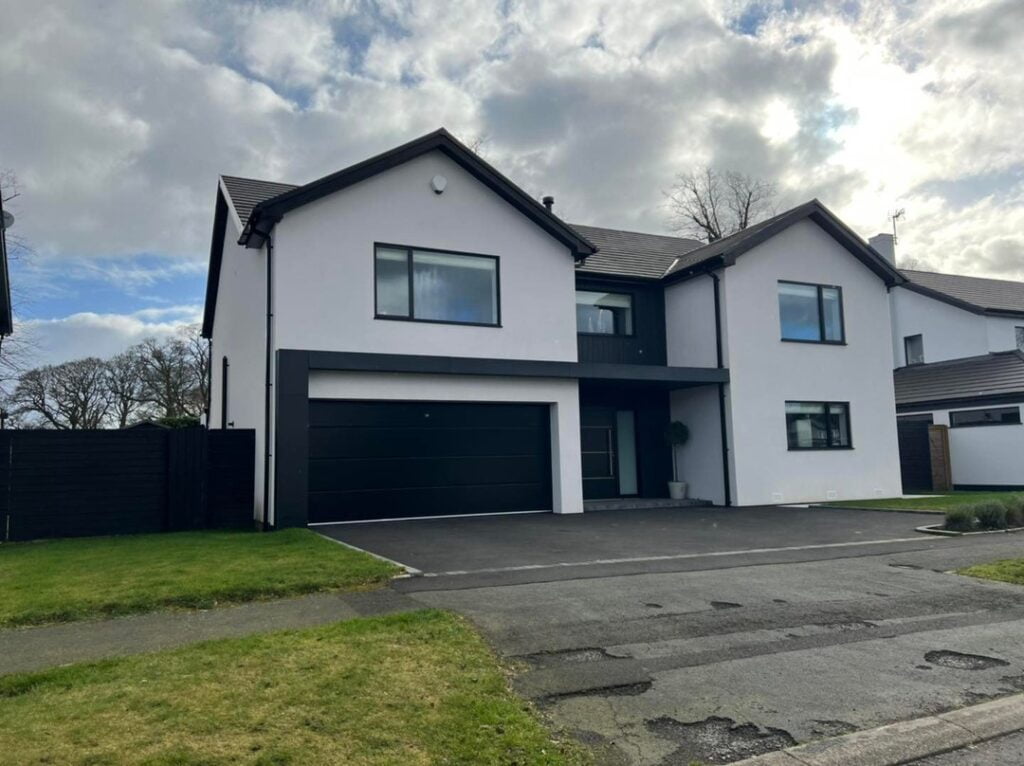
column 76, row 483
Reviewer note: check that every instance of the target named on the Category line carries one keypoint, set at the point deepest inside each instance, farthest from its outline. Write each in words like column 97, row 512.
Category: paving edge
column 827, row 507
column 936, row 529
column 905, row 741
column 407, row 571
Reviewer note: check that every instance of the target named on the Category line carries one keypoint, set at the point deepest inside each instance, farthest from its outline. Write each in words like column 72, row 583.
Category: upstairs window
column 600, row 313
column 995, row 416
column 913, row 348
column 811, row 313
column 818, row 425
column 1019, row 331
column 436, row 286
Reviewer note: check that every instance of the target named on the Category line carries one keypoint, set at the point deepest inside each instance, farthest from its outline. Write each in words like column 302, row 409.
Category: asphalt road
column 711, row 654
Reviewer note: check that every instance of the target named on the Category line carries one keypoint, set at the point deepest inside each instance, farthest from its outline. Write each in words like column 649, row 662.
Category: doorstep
column 639, row 503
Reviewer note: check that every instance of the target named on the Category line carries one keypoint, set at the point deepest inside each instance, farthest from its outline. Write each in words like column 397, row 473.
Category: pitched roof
column 977, row 294
column 631, row 253
column 265, row 214
column 246, row 193
column 725, row 251
column 993, row 374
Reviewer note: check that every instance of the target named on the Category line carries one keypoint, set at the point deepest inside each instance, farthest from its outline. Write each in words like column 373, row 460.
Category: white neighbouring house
column 958, row 350
column 415, row 336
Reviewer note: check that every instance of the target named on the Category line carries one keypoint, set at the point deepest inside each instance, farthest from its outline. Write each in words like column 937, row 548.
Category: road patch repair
column 735, row 644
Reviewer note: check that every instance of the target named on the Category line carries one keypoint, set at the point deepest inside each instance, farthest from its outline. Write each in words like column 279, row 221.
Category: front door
column 608, row 443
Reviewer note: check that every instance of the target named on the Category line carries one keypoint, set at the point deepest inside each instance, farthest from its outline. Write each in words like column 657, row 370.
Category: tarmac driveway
column 637, row 540
column 718, row 634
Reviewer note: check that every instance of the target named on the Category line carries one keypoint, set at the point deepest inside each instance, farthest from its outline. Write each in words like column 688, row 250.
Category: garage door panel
column 425, row 414
column 448, row 442
column 434, row 501
column 374, row 459
column 358, row 474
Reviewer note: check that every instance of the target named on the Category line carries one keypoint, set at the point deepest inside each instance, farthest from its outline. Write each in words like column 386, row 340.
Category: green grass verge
column 73, row 579
column 1006, row 570
column 938, row 504
column 411, row 689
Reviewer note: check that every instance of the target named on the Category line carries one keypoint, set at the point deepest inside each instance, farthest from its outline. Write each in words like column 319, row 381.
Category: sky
column 116, row 117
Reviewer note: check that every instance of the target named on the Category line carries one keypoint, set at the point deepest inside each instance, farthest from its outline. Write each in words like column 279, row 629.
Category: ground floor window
column 994, row 416
column 818, row 425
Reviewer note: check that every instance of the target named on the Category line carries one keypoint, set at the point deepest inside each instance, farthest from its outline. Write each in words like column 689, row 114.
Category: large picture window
column 818, row 425
column 811, row 313
column 599, row 313
column 435, row 286
column 994, row 416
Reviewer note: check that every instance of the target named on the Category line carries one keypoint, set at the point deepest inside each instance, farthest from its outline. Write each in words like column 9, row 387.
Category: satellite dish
column 7, row 221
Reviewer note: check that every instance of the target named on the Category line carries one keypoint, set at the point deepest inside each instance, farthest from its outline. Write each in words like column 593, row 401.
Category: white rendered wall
column 765, row 372
column 1002, row 332
column 700, row 459
column 984, row 454
column 324, row 254
column 239, row 333
column 947, row 332
column 561, row 395
column 690, row 322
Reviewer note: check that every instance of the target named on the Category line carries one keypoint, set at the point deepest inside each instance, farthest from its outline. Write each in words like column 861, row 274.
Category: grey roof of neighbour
column 631, row 253
column 977, row 294
column 246, row 193
column 993, row 374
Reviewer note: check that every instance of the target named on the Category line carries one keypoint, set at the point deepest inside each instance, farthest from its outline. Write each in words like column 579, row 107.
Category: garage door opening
column 385, row 460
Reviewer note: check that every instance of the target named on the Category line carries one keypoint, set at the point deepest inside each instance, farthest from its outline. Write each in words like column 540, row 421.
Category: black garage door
column 384, row 460
column 915, row 452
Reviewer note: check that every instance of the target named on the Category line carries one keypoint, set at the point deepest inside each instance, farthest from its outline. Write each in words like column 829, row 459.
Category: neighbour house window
column 811, row 313
column 599, row 313
column 435, row 286
column 995, row 416
column 913, row 348
column 818, row 425
column 1019, row 332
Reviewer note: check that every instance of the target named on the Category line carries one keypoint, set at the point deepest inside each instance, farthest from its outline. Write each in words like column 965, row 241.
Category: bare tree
column 16, row 350
column 72, row 395
column 125, row 386
column 707, row 204
column 174, row 374
column 199, row 362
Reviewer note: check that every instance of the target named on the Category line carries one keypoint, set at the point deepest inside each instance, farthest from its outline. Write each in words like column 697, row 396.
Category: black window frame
column 828, row 431
column 632, row 312
column 1014, row 407
column 821, row 314
column 1018, row 337
column 409, row 249
column 906, row 351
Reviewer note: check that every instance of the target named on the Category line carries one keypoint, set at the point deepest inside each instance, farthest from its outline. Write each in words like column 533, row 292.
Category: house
column 958, row 350
column 414, row 335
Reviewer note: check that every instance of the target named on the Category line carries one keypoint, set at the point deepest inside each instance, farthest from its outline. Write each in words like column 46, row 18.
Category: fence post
column 938, row 448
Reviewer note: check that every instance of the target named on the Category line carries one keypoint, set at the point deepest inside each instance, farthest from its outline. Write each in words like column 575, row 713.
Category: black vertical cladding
column 186, row 478
column 291, row 434
column 647, row 343
column 915, row 452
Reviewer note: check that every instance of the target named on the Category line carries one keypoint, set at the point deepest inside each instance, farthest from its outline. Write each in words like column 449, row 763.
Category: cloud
column 118, row 121
column 103, row 335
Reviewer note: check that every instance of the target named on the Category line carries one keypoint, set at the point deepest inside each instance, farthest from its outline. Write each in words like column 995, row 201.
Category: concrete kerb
column 936, row 529
column 407, row 571
column 905, row 741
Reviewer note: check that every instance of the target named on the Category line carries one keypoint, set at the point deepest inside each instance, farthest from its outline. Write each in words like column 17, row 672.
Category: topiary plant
column 676, row 435
column 990, row 515
column 961, row 519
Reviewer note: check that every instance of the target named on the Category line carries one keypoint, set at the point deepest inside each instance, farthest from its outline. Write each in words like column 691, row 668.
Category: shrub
column 991, row 515
column 961, row 519
column 1014, row 510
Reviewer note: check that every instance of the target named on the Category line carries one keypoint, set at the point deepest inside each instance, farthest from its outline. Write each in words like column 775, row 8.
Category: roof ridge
column 634, row 231
column 962, row 276
column 257, row 180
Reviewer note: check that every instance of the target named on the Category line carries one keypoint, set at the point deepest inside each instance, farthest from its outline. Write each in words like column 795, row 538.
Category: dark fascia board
column 825, row 219
column 267, row 213
column 526, row 368
column 220, row 219
column 617, row 279
column 956, row 403
column 929, row 292
column 6, row 316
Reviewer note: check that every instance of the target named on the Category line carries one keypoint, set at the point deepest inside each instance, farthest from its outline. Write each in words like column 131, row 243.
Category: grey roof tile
column 981, row 293
column 976, row 376
column 631, row 253
column 246, row 193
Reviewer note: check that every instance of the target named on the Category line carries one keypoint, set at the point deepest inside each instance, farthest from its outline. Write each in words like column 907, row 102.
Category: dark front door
column 381, row 460
column 915, row 452
column 608, row 445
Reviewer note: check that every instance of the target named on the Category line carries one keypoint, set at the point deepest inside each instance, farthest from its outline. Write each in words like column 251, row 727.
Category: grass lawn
column 416, row 688
column 938, row 504
column 1006, row 570
column 63, row 580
